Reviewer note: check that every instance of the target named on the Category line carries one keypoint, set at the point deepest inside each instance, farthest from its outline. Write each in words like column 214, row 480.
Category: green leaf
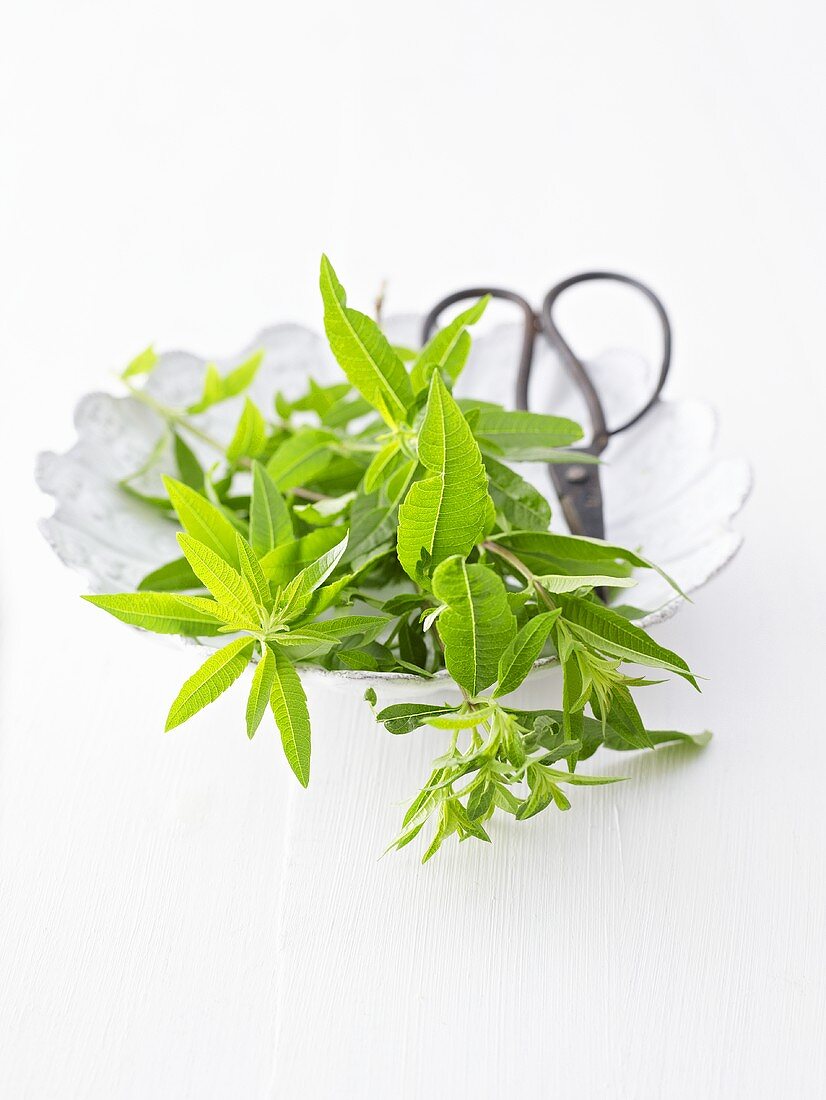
column 444, row 514
column 377, row 470
column 216, row 674
column 517, row 500
column 407, row 355
column 202, row 520
column 260, row 689
column 525, row 436
column 540, row 797
column 218, row 388
column 295, row 596
column 625, row 718
column 253, row 574
column 322, row 513
column 466, row 720
column 242, row 376
column 250, row 436
column 345, row 410
column 611, row 633
column 547, row 552
column 614, row 740
column 321, row 637
column 320, row 399
column 270, row 522
column 289, row 707
column 189, row 468
column 518, row 659
column 226, row 584
column 448, row 350
column 144, row 363
column 281, row 564
column 220, row 611
column 160, row 612
column 301, row 458
column 335, row 593
column 403, row 718
column 175, row 576
column 558, row 582
column 213, row 390
column 595, row 735
column 573, row 698
column 478, row 624
column 480, row 800
column 576, row 779
column 363, row 353
column 364, row 628
column 374, row 517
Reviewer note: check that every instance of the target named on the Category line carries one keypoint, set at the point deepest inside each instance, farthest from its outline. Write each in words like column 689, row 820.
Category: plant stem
column 522, row 569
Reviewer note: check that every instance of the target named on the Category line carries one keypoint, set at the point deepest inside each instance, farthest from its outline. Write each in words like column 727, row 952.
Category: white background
column 176, row 919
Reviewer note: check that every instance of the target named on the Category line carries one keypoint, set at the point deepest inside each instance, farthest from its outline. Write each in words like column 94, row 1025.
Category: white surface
column 177, row 919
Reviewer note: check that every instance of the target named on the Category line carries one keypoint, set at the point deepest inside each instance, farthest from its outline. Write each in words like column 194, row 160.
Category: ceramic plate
column 666, row 491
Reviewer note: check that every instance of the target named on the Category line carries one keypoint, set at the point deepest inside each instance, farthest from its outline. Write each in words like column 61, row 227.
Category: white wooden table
column 177, row 919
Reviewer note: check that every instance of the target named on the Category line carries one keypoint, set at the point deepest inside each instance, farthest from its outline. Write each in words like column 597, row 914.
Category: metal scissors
column 577, row 484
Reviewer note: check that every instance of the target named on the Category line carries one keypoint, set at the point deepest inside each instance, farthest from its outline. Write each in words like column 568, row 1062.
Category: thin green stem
column 519, row 567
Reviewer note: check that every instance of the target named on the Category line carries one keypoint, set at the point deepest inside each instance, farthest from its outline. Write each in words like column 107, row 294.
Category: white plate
column 666, row 493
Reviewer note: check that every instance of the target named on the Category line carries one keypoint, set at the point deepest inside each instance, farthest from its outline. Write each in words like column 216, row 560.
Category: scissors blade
column 580, row 496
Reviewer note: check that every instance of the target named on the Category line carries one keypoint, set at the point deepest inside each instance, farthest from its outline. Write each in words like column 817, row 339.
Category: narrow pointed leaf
column 270, row 522
column 556, row 583
column 160, row 612
column 518, row 659
column 144, row 363
column 377, row 470
column 444, row 514
column 548, row 552
column 613, row 740
column 374, row 516
column 175, row 576
column 241, row 377
column 624, row 718
column 281, row 564
column 522, row 505
column 401, row 718
column 525, row 436
column 189, row 468
column 225, row 583
column 448, row 350
column 202, row 520
column 253, row 574
column 477, row 625
column 322, row 513
column 289, row 707
column 297, row 593
column 260, row 689
column 363, row 352
column 219, row 388
column 611, row 633
column 250, row 436
column 363, row 628
column 301, row 458
column 216, row 674
column 576, row 779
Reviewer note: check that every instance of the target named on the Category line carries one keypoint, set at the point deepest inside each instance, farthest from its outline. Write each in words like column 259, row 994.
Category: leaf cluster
column 379, row 524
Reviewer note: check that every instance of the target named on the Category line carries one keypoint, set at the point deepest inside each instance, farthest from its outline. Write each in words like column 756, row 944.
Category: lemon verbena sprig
column 380, row 524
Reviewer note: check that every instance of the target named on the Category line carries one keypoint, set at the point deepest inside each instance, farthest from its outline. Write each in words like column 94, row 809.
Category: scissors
column 577, row 484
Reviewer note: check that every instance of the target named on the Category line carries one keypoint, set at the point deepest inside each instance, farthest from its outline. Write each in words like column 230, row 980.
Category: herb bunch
column 377, row 524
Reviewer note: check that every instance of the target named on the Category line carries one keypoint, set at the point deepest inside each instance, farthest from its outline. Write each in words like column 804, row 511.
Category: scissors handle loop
column 601, row 432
